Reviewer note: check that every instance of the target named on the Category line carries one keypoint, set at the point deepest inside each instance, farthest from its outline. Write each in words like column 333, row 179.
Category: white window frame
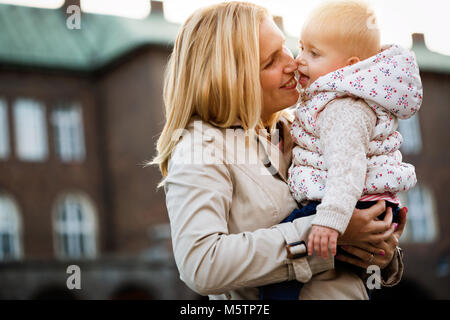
column 412, row 137
column 4, row 130
column 30, row 125
column 11, row 227
column 75, row 227
column 67, row 120
column 422, row 222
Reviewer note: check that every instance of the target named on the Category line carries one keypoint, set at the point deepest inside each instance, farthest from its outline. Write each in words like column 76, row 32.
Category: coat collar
column 277, row 159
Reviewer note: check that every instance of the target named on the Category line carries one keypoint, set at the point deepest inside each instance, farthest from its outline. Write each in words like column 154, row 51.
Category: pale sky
column 397, row 18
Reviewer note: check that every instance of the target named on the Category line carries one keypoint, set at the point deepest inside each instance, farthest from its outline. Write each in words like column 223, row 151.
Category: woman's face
column 277, row 70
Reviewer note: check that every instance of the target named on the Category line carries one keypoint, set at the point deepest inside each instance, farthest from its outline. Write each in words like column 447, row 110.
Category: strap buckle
column 291, row 255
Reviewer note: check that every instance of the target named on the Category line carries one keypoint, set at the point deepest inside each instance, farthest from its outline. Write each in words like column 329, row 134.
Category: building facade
column 80, row 112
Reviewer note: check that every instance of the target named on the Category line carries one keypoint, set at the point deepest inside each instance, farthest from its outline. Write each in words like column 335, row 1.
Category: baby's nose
column 300, row 59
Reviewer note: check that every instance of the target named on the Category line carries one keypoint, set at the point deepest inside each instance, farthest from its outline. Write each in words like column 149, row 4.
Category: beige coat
column 225, row 210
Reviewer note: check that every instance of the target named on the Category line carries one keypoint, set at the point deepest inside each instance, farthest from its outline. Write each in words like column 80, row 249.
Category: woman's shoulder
column 196, row 137
column 196, row 123
column 202, row 131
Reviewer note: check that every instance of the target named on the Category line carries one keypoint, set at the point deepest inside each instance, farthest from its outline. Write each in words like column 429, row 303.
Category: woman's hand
column 363, row 226
column 381, row 254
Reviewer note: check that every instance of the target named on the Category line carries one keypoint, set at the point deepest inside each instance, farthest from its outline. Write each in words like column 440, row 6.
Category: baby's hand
column 320, row 238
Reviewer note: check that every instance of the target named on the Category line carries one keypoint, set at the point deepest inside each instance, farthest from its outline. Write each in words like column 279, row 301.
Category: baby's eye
column 314, row 54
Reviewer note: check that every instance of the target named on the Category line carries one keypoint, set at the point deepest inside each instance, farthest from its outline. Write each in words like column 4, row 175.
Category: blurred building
column 80, row 112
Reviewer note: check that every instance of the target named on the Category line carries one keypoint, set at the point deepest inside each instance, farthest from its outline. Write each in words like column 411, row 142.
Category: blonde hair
column 350, row 22
column 213, row 72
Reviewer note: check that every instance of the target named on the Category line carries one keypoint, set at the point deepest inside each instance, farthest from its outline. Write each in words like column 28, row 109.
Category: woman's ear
column 352, row 61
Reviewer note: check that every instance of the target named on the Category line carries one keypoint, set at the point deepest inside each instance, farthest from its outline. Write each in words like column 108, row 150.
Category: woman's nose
column 291, row 66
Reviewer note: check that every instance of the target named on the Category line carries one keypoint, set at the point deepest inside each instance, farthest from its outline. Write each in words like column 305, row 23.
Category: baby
column 346, row 150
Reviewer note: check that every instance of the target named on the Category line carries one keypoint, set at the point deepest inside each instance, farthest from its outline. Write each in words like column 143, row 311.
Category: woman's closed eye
column 272, row 61
column 269, row 64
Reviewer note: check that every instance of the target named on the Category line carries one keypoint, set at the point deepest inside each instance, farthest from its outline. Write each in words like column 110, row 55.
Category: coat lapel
column 278, row 161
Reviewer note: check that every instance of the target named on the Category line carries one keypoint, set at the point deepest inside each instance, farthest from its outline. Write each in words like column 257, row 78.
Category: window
column 4, row 131
column 31, row 130
column 442, row 267
column 75, row 227
column 69, row 137
column 9, row 229
column 422, row 220
column 412, row 139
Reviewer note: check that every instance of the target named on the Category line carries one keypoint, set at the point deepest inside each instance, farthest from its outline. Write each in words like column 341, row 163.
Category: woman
column 230, row 76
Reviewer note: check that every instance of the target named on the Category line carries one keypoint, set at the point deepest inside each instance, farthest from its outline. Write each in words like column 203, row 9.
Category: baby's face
column 317, row 57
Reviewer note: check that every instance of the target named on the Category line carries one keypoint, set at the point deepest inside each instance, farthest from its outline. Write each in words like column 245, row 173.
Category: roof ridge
column 101, row 39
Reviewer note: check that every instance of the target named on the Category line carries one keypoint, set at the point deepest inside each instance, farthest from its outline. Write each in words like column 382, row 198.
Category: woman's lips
column 291, row 84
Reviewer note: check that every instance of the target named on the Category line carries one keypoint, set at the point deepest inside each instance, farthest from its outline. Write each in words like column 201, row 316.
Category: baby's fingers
column 324, row 246
column 317, row 245
column 310, row 244
column 333, row 245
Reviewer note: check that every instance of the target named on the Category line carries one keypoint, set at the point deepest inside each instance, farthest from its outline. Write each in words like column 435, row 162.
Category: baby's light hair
column 351, row 22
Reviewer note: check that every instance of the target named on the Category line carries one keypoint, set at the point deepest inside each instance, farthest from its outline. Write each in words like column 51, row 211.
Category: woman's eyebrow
column 274, row 52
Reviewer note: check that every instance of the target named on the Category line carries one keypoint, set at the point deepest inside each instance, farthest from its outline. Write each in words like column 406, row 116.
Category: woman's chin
column 294, row 95
column 285, row 100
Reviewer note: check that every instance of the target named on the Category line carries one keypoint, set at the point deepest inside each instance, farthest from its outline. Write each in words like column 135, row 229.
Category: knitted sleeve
column 345, row 127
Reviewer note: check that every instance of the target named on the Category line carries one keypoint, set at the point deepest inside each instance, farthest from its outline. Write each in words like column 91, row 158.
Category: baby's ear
column 352, row 61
